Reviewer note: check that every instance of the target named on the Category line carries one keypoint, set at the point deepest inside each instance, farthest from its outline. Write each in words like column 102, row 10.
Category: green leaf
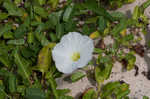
column 4, row 73
column 44, row 58
column 22, row 66
column 67, row 13
column 105, row 59
column 35, row 47
column 145, row 5
column 8, row 35
column 54, row 17
column 2, row 92
column 40, row 28
column 17, row 1
column 136, row 13
column 89, row 94
column 65, row 97
column 34, row 93
column 98, row 50
column 30, row 38
column 108, row 89
column 102, row 24
column 16, row 42
column 118, row 15
column 20, row 31
column 4, row 59
column 26, row 52
column 53, row 3
column 129, row 37
column 5, row 29
column 3, row 16
column 91, row 20
column 12, row 83
column 41, row 38
column 42, row 2
column 123, row 91
column 41, row 11
column 88, row 30
column 116, row 89
column 53, row 37
column 59, row 30
column 98, row 75
column 121, row 26
column 63, row 91
column 145, row 97
column 12, row 9
column 93, row 6
column 1, row 1
column 131, row 60
column 77, row 76
column 52, row 84
column 102, row 72
column 21, row 89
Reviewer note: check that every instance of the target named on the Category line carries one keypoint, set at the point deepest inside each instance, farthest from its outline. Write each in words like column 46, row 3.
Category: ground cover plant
column 30, row 30
column 113, row 4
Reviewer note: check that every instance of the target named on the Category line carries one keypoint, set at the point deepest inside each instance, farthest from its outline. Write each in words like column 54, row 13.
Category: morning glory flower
column 74, row 51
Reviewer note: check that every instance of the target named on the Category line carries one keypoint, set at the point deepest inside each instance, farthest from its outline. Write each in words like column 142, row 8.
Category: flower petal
column 66, row 66
column 86, row 51
column 71, row 43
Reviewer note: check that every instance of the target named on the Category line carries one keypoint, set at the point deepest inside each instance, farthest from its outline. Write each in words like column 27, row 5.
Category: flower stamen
column 75, row 56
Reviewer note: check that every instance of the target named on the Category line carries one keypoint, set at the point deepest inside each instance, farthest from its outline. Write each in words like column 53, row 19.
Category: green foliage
column 40, row 11
column 35, row 93
column 12, row 83
column 5, row 60
column 67, row 13
column 23, row 66
column 93, row 6
column 12, row 8
column 29, row 29
column 131, row 60
column 5, row 29
column 16, row 42
column 3, row 16
column 44, row 58
column 113, row 4
column 119, row 91
column 53, row 3
column 102, row 24
column 77, row 76
column 145, row 97
column 89, row 94
column 3, row 94
column 102, row 72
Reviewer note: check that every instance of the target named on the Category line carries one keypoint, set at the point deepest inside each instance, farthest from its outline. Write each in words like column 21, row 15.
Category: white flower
column 74, row 51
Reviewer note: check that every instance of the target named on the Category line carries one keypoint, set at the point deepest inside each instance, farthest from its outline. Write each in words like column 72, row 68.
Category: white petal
column 66, row 66
column 63, row 63
column 72, row 40
column 86, row 51
column 70, row 43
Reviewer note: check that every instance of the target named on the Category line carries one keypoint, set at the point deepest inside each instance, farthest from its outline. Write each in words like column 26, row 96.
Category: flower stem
column 98, row 90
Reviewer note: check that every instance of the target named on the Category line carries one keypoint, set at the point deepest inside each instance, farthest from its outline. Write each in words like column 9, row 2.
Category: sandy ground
column 139, row 84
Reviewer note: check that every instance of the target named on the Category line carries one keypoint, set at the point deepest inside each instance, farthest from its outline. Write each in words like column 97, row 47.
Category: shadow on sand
column 146, row 57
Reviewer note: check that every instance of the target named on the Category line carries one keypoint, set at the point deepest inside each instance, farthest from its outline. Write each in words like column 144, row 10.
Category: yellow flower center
column 75, row 56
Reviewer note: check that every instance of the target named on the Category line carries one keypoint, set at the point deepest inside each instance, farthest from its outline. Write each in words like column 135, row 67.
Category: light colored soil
column 139, row 84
